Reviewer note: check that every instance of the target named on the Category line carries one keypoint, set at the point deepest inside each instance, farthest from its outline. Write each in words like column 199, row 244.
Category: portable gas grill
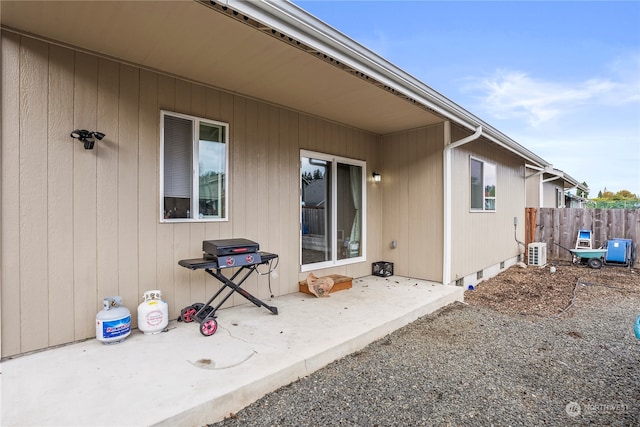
column 219, row 255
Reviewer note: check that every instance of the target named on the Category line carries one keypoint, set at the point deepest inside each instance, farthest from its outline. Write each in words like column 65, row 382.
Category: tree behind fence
column 558, row 227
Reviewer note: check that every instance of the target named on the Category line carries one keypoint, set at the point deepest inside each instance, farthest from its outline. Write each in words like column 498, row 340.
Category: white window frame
column 484, row 178
column 334, row 211
column 195, row 172
column 560, row 198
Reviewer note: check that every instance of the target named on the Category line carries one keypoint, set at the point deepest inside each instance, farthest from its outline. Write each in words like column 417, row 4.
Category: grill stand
column 205, row 313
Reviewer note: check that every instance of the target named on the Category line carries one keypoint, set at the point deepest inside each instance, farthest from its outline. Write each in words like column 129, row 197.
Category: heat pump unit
column 537, row 254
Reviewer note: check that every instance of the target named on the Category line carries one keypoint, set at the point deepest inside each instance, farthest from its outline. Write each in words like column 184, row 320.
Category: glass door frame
column 334, row 160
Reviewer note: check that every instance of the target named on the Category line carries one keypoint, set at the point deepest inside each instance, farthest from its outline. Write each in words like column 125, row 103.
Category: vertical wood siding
column 10, row 193
column 532, row 186
column 60, row 220
column 550, row 197
column 81, row 225
column 33, row 192
column 481, row 239
column 413, row 208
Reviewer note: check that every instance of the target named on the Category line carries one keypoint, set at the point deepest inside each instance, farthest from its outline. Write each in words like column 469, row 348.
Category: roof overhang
column 551, row 174
column 195, row 41
column 268, row 50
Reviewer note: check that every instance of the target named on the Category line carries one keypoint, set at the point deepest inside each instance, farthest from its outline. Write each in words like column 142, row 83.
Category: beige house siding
column 533, row 189
column 550, row 195
column 413, row 208
column 80, row 225
column 482, row 239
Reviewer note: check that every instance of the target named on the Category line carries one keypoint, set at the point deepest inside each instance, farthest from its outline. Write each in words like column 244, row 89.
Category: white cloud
column 602, row 156
column 509, row 94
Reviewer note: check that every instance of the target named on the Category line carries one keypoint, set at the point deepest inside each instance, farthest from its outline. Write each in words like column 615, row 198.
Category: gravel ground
column 471, row 364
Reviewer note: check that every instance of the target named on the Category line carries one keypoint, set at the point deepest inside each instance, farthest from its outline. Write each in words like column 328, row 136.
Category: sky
column 560, row 78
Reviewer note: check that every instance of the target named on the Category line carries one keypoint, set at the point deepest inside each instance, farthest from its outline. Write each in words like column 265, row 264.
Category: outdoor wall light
column 86, row 136
column 376, row 177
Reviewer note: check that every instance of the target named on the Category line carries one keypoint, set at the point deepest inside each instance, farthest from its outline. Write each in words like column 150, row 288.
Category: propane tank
column 113, row 322
column 153, row 313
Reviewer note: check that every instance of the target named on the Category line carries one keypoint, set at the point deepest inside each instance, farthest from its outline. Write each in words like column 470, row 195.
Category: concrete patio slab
column 181, row 377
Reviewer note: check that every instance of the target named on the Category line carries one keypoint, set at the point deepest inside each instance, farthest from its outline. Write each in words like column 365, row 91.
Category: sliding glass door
column 332, row 201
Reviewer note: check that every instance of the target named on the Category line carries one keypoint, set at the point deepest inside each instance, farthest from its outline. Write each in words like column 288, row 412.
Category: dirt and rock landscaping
column 527, row 347
column 549, row 290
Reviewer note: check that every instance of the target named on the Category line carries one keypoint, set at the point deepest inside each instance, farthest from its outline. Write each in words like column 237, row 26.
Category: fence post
column 529, row 230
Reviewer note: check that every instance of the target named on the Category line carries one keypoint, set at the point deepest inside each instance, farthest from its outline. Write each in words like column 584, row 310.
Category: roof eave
column 312, row 31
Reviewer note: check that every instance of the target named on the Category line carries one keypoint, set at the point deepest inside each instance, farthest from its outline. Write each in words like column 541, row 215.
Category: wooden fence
column 313, row 220
column 558, row 228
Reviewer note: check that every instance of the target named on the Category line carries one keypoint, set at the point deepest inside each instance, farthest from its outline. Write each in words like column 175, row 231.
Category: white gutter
column 446, row 166
column 313, row 32
column 316, row 34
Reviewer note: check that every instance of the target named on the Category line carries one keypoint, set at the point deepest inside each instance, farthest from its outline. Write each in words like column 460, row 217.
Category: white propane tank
column 113, row 322
column 153, row 313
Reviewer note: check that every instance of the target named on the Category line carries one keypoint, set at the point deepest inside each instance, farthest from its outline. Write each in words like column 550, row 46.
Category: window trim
column 195, row 120
column 484, row 198
column 334, row 262
column 560, row 198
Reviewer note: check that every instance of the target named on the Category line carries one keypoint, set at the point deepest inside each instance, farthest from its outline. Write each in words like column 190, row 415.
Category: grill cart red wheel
column 208, row 327
column 188, row 314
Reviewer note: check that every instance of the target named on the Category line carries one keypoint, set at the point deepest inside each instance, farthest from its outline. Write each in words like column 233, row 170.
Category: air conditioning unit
column 537, row 254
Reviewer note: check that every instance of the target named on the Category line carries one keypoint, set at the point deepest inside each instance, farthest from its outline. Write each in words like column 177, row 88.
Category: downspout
column 446, row 166
column 547, row 169
column 540, row 188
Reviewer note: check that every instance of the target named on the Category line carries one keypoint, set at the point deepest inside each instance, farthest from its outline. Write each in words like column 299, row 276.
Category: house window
column 559, row 198
column 333, row 198
column 483, row 185
column 193, row 168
